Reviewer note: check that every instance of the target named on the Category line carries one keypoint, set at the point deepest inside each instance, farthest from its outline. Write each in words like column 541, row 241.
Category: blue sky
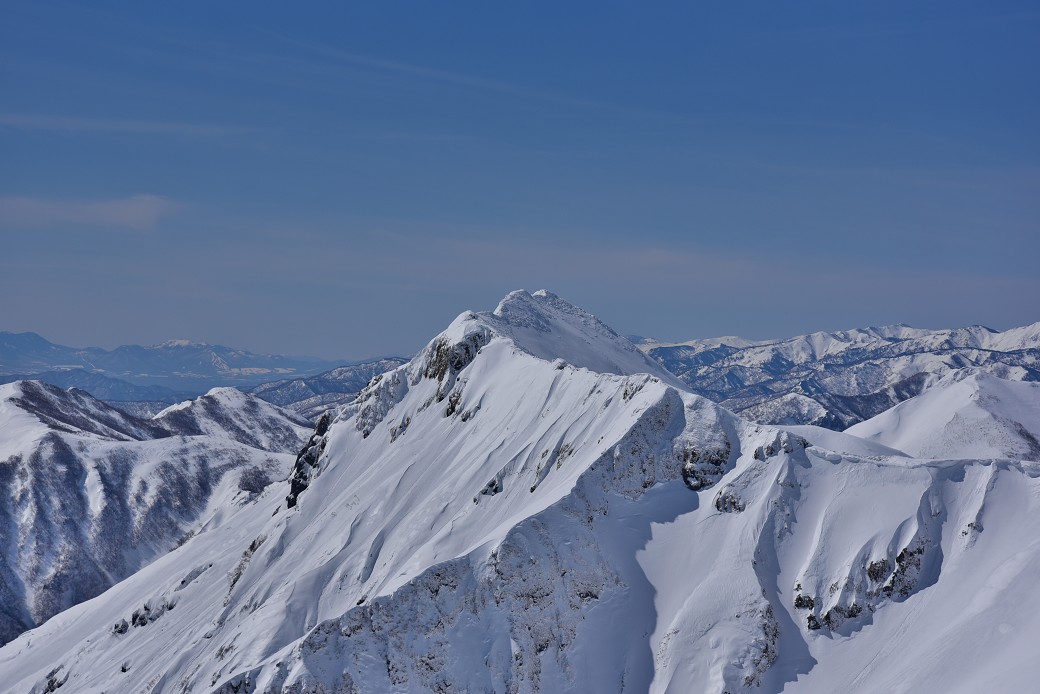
column 343, row 179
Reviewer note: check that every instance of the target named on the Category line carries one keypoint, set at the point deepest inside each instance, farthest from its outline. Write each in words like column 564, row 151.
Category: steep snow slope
column 839, row 379
column 494, row 517
column 968, row 414
column 88, row 495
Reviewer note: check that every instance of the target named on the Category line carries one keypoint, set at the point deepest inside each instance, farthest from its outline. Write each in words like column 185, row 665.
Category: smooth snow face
column 969, row 414
column 89, row 495
column 839, row 379
column 842, row 442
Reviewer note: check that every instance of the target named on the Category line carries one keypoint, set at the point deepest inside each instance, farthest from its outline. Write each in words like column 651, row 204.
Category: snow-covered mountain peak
column 443, row 465
column 1024, row 337
column 181, row 343
column 548, row 327
column 539, row 325
column 224, row 395
column 242, row 417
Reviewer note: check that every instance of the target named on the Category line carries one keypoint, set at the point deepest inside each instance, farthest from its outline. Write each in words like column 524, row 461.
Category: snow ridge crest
column 548, row 327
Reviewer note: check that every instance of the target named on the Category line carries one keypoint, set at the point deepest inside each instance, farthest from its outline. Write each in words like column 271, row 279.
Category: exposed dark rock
column 908, row 567
column 703, row 468
column 307, row 460
column 727, row 501
column 446, row 358
column 878, row 570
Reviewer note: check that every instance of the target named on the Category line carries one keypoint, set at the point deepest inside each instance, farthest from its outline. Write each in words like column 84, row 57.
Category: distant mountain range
column 178, row 365
column 838, row 379
column 143, row 380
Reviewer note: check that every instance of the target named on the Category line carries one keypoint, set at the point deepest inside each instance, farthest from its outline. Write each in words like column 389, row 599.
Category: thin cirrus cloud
column 113, row 125
column 457, row 79
column 136, row 212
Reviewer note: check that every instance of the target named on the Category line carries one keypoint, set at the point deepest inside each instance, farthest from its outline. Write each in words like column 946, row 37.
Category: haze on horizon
column 343, row 182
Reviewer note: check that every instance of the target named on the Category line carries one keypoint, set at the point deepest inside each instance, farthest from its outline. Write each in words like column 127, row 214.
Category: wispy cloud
column 113, row 125
column 468, row 81
column 137, row 212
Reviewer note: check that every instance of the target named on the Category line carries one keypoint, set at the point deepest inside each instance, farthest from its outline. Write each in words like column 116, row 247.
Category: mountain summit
column 548, row 327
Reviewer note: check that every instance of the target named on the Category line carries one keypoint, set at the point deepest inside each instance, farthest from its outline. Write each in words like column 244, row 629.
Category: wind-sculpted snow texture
column 494, row 516
column 88, row 494
column 839, row 379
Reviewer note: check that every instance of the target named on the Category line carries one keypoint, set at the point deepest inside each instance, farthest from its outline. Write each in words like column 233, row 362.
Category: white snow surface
column 499, row 515
column 967, row 414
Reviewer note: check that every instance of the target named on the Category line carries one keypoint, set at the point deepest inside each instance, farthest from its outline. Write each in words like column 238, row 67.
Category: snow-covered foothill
column 89, row 494
column 968, row 414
